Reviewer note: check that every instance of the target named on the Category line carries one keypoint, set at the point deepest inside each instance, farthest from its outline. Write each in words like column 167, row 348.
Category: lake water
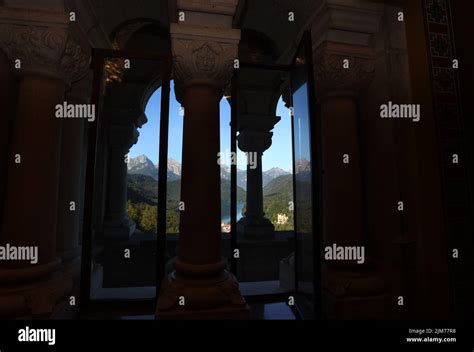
column 240, row 206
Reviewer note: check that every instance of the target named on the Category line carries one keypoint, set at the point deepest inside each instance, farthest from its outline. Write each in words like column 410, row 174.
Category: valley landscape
column 142, row 189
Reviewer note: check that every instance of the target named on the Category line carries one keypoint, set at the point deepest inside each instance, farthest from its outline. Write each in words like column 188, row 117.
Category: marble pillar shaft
column 255, row 189
column 31, row 196
column 203, row 66
column 342, row 182
column 254, row 138
column 200, row 185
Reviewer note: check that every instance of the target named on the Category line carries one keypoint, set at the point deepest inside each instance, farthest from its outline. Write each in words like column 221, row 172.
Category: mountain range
column 277, row 193
column 144, row 189
column 142, row 165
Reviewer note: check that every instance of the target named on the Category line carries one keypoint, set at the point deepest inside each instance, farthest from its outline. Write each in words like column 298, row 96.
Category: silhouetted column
column 31, row 197
column 254, row 138
column 254, row 213
column 342, row 180
column 30, row 211
column 200, row 184
column 118, row 226
column 200, row 287
column 258, row 95
column 342, row 72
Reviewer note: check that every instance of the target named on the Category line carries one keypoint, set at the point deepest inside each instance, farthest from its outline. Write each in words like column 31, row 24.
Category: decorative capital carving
column 125, row 116
column 344, row 32
column 121, row 138
column 44, row 44
column 255, row 132
column 342, row 69
column 203, row 56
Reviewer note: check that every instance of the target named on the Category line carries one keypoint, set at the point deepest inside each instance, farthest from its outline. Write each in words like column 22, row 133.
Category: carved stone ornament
column 200, row 59
column 122, row 137
column 47, row 50
column 215, row 288
column 335, row 75
column 255, row 132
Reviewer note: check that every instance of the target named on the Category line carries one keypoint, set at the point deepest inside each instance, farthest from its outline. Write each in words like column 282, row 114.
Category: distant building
column 282, row 219
column 225, row 228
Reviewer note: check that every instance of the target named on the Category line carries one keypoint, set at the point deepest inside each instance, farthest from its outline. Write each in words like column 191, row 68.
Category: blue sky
column 279, row 154
column 300, row 103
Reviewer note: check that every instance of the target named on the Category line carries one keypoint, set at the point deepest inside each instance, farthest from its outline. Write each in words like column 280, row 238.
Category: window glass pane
column 225, row 159
column 304, row 230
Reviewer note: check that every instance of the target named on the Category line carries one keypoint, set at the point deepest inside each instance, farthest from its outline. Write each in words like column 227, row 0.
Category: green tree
column 133, row 211
column 148, row 218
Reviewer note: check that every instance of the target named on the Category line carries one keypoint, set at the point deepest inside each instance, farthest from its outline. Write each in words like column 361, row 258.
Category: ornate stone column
column 343, row 69
column 118, row 226
column 200, row 287
column 49, row 58
column 258, row 95
column 255, row 137
column 337, row 91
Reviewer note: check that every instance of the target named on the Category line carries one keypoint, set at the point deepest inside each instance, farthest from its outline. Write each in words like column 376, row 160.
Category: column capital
column 122, row 137
column 203, row 56
column 335, row 76
column 44, row 42
column 342, row 31
column 255, row 132
column 126, row 116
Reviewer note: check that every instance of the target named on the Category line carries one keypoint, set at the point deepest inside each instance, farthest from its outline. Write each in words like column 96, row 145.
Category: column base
column 201, row 292
column 350, row 292
column 35, row 292
column 256, row 229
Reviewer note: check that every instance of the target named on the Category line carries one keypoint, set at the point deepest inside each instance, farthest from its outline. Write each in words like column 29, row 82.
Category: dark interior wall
column 463, row 32
column 434, row 300
column 443, row 185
